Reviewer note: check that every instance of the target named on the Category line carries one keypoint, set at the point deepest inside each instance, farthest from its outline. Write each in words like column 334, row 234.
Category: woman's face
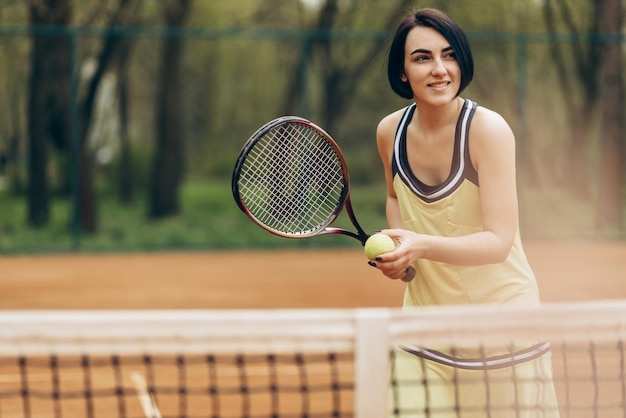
column 430, row 66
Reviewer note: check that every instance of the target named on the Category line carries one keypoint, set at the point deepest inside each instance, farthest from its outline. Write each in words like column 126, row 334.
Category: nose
column 438, row 67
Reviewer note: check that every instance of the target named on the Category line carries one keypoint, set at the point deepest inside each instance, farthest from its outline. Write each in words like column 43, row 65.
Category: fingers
column 396, row 234
column 390, row 269
column 395, row 264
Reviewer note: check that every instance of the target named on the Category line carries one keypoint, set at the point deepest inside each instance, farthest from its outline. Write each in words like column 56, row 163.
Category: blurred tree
column 167, row 166
column 342, row 65
column 578, row 67
column 13, row 95
column 595, row 65
column 339, row 78
column 110, row 50
column 126, row 184
column 610, row 207
column 126, row 180
column 49, row 102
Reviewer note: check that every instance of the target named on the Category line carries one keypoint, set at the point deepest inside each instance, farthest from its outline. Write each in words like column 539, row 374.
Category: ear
column 403, row 78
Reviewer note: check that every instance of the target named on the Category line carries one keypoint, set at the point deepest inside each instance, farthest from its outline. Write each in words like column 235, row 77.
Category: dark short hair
column 446, row 26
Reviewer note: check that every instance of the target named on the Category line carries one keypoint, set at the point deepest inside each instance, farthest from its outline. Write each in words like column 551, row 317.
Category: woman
column 452, row 209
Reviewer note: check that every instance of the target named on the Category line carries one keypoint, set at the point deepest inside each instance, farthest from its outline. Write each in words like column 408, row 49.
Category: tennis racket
column 292, row 180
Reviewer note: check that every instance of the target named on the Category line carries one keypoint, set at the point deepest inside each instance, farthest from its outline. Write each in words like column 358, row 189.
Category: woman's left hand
column 395, row 263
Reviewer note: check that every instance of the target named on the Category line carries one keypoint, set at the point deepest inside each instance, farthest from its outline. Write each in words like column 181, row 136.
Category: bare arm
column 385, row 134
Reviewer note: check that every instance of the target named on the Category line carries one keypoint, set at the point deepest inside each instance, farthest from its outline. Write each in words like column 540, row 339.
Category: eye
column 419, row 58
column 450, row 55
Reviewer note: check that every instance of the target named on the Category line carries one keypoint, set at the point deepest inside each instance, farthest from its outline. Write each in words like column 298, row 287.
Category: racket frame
column 343, row 201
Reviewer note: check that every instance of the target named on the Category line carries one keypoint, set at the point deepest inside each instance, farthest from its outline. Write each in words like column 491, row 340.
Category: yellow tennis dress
column 467, row 382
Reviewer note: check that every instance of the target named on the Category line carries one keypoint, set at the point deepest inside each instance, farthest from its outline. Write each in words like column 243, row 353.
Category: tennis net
column 485, row 361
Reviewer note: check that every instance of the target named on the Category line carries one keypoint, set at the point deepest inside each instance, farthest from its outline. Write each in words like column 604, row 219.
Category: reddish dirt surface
column 572, row 271
column 566, row 271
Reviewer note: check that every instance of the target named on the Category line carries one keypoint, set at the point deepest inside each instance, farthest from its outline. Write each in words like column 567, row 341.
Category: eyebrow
column 426, row 51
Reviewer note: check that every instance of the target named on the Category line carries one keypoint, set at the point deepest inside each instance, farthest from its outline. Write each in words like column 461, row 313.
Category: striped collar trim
column 456, row 176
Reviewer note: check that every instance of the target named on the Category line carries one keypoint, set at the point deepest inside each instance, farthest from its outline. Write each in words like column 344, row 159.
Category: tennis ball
column 378, row 244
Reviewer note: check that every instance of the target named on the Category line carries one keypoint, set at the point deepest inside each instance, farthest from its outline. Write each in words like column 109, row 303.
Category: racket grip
column 409, row 274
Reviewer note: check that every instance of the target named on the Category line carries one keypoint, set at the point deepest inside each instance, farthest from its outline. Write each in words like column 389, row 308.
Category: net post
column 372, row 353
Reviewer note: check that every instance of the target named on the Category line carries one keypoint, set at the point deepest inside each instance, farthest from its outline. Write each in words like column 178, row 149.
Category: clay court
column 566, row 271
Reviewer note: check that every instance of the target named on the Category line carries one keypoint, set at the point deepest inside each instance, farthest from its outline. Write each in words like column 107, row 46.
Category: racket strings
column 292, row 180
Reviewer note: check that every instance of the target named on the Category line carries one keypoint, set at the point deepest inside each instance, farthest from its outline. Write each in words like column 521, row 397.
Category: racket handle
column 409, row 274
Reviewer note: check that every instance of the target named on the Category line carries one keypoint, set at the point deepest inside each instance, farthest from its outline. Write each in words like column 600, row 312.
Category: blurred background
column 122, row 119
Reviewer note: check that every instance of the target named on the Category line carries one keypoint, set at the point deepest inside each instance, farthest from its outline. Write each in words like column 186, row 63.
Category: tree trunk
column 127, row 187
column 48, row 105
column 585, row 73
column 610, row 207
column 340, row 81
column 38, row 194
column 111, row 49
column 167, row 167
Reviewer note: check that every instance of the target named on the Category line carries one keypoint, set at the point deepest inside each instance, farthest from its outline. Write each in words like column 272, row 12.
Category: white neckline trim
column 450, row 183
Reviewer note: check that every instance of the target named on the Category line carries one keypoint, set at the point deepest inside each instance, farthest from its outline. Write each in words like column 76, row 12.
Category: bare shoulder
column 488, row 125
column 491, row 139
column 386, row 129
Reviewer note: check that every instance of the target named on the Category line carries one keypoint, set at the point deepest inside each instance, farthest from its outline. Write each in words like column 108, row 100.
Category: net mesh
column 176, row 385
column 316, row 363
column 292, row 180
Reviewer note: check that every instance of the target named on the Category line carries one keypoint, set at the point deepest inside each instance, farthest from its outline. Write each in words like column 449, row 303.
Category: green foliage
column 209, row 219
column 17, row 237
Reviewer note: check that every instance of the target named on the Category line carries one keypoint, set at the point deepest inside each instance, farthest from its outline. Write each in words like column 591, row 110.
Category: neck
column 433, row 117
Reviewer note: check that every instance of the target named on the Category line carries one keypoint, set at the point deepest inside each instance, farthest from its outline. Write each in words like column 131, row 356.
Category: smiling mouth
column 439, row 84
